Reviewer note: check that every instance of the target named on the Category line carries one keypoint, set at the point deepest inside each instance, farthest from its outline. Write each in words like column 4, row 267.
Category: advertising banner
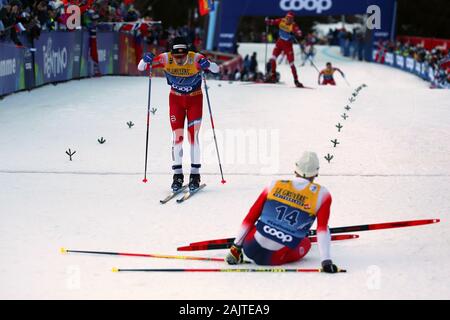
column 400, row 61
column 85, row 64
column 390, row 59
column 12, row 68
column 55, row 57
column 427, row 43
column 410, row 64
column 418, row 68
column 108, row 52
column 127, row 55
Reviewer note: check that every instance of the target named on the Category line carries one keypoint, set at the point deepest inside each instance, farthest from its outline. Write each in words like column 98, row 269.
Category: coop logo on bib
column 309, row 5
column 278, row 234
column 182, row 88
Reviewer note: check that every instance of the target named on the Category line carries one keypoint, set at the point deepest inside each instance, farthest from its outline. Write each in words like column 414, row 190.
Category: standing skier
column 275, row 231
column 288, row 30
column 328, row 73
column 183, row 72
column 308, row 49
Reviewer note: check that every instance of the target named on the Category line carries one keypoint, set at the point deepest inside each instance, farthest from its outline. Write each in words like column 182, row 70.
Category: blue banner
column 12, row 68
column 85, row 65
column 108, row 52
column 55, row 57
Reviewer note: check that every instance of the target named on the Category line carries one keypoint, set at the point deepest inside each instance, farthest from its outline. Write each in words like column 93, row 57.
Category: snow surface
column 392, row 164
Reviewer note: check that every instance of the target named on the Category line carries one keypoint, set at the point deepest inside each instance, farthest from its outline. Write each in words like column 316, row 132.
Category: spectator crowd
column 438, row 57
column 29, row 18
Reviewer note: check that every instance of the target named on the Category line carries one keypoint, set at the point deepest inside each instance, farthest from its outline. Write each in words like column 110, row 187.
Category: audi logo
column 276, row 233
column 309, row 5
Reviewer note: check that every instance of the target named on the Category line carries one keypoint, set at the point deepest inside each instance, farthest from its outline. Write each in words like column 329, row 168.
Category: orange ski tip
column 63, row 250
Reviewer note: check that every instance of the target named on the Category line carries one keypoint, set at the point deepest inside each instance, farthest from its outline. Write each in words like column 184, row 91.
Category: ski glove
column 204, row 63
column 235, row 255
column 148, row 57
column 329, row 267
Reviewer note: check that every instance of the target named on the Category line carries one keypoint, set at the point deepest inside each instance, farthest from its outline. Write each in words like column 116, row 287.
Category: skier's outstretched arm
column 320, row 74
column 235, row 255
column 251, row 218
column 272, row 22
column 149, row 58
column 340, row 71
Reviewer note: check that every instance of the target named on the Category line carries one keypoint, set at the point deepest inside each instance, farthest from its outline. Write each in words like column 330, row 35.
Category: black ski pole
column 267, row 40
column 212, row 124
column 148, row 121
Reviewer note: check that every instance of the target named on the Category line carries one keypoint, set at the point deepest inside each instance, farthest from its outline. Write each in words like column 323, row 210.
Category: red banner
column 427, row 43
column 127, row 54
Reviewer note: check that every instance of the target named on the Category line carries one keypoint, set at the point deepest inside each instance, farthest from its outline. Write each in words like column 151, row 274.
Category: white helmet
column 308, row 165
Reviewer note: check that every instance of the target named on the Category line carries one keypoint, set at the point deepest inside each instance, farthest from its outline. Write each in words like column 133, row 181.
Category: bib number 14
column 283, row 214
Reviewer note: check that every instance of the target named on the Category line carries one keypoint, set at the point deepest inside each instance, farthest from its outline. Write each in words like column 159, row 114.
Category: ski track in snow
column 391, row 165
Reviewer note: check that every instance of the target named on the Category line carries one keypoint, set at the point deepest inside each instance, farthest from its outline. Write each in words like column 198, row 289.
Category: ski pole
column 265, row 57
column 146, row 255
column 148, row 121
column 315, row 67
column 346, row 80
column 271, row 270
column 212, row 124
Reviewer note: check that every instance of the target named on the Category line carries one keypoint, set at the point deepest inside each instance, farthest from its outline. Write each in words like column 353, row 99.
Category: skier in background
column 308, row 49
column 284, row 212
column 183, row 72
column 288, row 30
column 328, row 73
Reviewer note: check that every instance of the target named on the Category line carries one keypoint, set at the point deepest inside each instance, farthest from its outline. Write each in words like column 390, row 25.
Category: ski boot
column 194, row 181
column 177, row 183
column 298, row 84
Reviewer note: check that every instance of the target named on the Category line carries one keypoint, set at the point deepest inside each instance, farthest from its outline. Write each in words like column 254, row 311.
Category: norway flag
column 205, row 6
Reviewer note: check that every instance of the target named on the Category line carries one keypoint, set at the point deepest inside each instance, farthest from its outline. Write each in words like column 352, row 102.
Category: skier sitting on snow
column 288, row 30
column 275, row 231
column 183, row 72
column 328, row 73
